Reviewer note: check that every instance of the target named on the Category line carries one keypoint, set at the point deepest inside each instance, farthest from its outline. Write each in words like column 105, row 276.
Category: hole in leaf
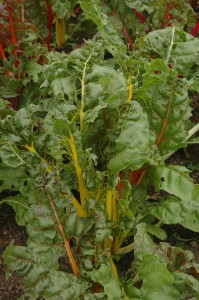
column 76, row 194
column 162, row 179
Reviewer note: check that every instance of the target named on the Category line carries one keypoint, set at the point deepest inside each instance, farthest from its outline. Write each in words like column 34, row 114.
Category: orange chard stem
column 66, row 242
column 13, row 37
column 3, row 56
column 159, row 139
column 128, row 38
column 49, row 25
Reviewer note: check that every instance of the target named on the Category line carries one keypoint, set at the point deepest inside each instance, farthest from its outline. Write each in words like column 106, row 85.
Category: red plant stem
column 159, row 139
column 134, row 175
column 195, row 29
column 13, row 37
column 97, row 287
column 3, row 56
column 193, row 3
column 75, row 11
column 140, row 16
column 167, row 15
column 14, row 41
column 168, row 9
column 139, row 181
column 15, row 103
column 128, row 38
column 49, row 25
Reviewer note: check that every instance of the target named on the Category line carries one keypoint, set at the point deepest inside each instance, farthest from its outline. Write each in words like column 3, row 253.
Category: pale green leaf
column 61, row 86
column 132, row 143
column 175, row 46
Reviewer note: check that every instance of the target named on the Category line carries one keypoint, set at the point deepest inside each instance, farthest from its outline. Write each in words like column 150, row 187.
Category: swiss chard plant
column 83, row 157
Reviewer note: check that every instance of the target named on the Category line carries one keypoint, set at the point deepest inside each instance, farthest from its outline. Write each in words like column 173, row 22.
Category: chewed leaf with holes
column 176, row 47
column 184, row 207
column 114, row 43
column 166, row 101
column 152, row 268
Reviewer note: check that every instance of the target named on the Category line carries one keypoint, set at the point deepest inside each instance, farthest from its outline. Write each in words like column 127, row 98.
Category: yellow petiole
column 33, row 150
column 80, row 211
column 130, row 87
column 60, row 25
column 82, row 189
column 114, row 269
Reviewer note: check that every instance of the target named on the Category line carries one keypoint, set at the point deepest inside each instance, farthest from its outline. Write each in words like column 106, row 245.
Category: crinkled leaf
column 12, row 178
column 63, row 8
column 23, row 124
column 167, row 104
column 132, row 143
column 76, row 226
column 183, row 208
column 155, row 274
column 157, row 231
column 114, row 43
column 175, row 46
column 151, row 269
column 61, row 86
column 143, row 243
column 176, row 180
column 61, row 127
column 140, row 6
column 10, row 156
column 173, row 210
column 39, row 279
column 111, row 286
column 104, row 83
column 91, row 115
column 186, row 284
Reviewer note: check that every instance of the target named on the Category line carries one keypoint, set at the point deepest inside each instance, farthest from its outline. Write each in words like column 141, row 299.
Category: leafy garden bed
column 91, row 133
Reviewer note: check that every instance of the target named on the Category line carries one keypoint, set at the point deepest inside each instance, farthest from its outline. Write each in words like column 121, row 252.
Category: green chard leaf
column 166, row 102
column 111, row 286
column 183, row 207
column 175, row 47
column 133, row 141
column 108, row 32
column 152, row 269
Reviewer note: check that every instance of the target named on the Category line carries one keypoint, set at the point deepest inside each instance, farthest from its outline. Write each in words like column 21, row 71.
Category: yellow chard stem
column 109, row 203
column 33, row 150
column 114, row 269
column 111, row 212
column 82, row 189
column 114, row 206
column 130, row 89
column 80, row 211
column 81, row 113
column 60, row 25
